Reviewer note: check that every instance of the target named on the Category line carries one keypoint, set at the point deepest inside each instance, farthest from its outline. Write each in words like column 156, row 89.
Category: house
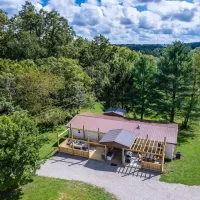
column 110, row 136
column 96, row 126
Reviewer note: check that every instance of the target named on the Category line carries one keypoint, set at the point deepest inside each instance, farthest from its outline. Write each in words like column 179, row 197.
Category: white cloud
column 13, row 6
column 122, row 21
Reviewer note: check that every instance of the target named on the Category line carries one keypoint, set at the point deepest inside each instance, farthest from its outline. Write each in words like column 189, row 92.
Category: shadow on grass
column 185, row 135
column 11, row 195
column 44, row 129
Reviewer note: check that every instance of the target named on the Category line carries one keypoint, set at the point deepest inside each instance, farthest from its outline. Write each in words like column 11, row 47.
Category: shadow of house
column 105, row 166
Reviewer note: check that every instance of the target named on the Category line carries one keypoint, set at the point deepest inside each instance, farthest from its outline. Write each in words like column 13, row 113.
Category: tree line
column 48, row 73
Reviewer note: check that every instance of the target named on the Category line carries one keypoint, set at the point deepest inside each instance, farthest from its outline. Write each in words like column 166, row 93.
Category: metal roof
column 154, row 130
column 118, row 111
column 110, row 136
column 120, row 136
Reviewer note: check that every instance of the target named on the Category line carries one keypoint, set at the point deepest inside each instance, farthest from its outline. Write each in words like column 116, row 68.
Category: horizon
column 125, row 21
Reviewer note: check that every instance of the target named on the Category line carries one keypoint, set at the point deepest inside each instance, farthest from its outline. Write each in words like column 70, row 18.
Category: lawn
column 96, row 109
column 43, row 188
column 51, row 141
column 186, row 170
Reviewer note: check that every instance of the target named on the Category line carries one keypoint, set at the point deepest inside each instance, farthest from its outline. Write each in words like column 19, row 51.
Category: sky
column 125, row 21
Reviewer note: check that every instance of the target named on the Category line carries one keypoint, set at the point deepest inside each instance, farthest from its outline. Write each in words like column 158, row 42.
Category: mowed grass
column 51, row 141
column 43, row 188
column 59, row 189
column 186, row 170
column 98, row 108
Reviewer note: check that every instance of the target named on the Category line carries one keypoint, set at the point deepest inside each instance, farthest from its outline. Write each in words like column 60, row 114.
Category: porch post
column 105, row 152
column 123, row 157
column 83, row 132
column 72, row 136
column 98, row 135
column 58, row 141
column 163, row 156
column 88, row 146
column 70, row 127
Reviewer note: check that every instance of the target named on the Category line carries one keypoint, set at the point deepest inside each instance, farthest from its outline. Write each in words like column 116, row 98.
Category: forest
column 155, row 49
column 48, row 73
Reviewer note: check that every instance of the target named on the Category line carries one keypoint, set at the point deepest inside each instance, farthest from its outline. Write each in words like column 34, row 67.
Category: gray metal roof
column 119, row 136
column 119, row 111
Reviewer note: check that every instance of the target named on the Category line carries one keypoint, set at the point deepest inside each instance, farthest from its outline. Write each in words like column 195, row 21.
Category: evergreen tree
column 173, row 79
column 143, row 80
column 192, row 105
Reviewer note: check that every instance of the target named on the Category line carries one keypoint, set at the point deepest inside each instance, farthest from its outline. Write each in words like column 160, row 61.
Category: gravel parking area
column 126, row 183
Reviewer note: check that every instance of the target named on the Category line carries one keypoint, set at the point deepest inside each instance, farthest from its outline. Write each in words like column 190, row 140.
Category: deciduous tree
column 19, row 150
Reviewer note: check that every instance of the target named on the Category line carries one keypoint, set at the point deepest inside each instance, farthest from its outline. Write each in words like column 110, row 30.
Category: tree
column 77, row 85
column 192, row 108
column 172, row 80
column 143, row 79
column 8, row 71
column 33, row 34
column 3, row 23
column 19, row 150
column 117, row 86
column 36, row 90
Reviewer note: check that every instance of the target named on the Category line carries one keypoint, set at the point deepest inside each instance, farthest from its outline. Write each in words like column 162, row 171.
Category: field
column 185, row 170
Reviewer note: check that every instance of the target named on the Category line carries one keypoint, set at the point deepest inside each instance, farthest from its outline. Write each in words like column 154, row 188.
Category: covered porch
column 150, row 153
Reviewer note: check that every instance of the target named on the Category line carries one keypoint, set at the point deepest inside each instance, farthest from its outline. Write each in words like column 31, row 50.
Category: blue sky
column 125, row 21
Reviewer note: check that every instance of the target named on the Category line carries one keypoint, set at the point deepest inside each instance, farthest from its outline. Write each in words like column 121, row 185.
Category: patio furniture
column 69, row 142
column 110, row 155
column 129, row 154
column 85, row 146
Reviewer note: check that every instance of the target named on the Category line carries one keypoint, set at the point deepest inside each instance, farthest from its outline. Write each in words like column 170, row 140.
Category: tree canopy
column 19, row 150
column 46, row 67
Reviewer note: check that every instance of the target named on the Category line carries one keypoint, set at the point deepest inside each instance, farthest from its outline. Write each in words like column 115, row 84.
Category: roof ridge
column 95, row 116
column 118, row 134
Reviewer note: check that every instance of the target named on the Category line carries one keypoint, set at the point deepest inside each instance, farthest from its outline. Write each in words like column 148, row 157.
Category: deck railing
column 152, row 166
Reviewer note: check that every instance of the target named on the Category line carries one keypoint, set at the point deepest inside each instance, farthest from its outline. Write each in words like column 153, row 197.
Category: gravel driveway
column 125, row 183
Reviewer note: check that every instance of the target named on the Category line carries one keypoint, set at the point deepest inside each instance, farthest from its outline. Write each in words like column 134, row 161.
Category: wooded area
column 50, row 73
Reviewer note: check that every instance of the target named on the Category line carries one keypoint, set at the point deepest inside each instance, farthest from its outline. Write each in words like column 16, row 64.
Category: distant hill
column 154, row 49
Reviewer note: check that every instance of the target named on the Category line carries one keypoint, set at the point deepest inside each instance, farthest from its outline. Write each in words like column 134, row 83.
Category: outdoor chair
column 69, row 142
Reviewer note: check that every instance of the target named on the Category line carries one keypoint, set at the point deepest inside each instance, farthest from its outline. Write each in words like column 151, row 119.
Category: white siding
column 169, row 151
column 93, row 135
column 77, row 135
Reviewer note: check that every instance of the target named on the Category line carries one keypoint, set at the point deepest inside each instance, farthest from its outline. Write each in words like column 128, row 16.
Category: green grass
column 43, row 188
column 186, row 170
column 51, row 141
column 96, row 109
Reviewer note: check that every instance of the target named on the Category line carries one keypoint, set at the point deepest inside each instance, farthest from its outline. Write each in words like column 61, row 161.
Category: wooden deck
column 95, row 152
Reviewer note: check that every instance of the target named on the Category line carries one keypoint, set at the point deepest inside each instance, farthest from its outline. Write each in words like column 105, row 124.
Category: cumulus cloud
column 13, row 6
column 159, row 21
